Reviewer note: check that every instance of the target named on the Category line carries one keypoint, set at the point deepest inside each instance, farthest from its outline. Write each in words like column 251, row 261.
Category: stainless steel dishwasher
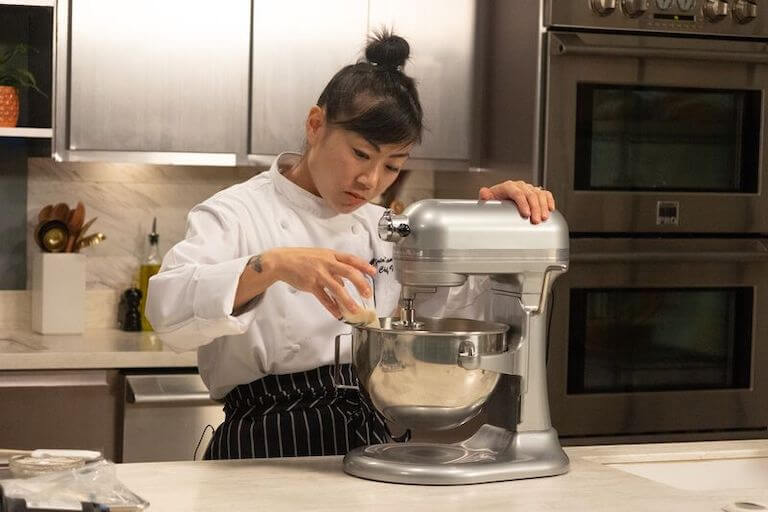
column 165, row 416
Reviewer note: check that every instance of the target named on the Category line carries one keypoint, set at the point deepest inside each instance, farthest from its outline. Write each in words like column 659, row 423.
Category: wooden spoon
column 75, row 224
column 60, row 212
column 45, row 213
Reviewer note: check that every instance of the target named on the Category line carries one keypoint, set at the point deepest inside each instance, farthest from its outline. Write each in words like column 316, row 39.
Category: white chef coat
column 285, row 330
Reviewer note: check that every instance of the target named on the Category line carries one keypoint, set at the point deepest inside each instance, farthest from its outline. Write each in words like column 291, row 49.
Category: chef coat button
column 295, row 347
column 355, row 229
column 292, row 289
column 283, row 224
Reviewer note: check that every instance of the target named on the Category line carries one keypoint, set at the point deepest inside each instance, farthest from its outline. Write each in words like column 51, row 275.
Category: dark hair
column 373, row 97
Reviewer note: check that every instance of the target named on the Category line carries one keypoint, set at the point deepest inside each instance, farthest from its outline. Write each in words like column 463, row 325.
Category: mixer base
column 491, row 455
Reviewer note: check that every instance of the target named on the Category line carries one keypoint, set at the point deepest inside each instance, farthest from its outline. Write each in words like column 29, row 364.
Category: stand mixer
column 438, row 373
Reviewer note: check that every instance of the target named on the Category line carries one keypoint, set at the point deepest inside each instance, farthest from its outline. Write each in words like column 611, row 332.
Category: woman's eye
column 393, row 168
column 360, row 154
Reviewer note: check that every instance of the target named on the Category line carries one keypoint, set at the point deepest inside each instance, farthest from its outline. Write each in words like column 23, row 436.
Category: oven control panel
column 748, row 18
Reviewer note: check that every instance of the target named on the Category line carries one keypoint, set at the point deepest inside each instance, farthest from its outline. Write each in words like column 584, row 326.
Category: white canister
column 58, row 293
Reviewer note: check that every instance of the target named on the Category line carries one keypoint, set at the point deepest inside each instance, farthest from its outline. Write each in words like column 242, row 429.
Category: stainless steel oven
column 658, row 336
column 647, row 120
column 655, row 115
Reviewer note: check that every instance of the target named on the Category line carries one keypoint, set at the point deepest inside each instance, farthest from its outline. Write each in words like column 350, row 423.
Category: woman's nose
column 369, row 179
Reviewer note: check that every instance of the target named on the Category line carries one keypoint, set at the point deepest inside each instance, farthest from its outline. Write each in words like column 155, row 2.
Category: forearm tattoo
column 255, row 263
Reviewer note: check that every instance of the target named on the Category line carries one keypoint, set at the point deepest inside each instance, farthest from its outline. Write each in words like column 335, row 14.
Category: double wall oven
column 654, row 144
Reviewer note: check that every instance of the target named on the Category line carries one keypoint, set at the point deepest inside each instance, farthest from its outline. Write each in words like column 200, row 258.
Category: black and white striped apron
column 296, row 415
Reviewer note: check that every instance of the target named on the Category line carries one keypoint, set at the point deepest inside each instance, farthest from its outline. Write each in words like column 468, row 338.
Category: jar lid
column 25, row 466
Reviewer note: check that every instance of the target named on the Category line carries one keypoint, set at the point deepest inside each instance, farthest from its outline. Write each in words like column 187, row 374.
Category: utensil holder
column 58, row 293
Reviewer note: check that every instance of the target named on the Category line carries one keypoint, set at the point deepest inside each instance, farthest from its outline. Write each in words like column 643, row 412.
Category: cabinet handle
column 41, row 378
column 182, row 390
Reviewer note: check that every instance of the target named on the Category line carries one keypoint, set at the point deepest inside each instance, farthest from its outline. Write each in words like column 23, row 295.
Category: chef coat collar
column 296, row 195
column 301, row 198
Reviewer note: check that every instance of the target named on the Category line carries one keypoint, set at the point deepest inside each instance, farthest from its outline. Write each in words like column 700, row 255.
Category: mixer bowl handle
column 336, row 377
column 503, row 362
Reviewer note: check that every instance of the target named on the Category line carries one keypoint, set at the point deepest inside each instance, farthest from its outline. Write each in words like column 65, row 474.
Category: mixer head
column 439, row 242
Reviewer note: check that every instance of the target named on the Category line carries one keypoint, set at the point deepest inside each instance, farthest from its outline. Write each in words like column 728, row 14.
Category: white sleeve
column 190, row 301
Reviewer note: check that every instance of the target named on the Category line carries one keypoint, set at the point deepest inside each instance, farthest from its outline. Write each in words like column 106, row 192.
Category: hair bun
column 387, row 50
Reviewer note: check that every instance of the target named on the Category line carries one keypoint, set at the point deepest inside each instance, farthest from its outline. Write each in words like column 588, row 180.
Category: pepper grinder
column 128, row 314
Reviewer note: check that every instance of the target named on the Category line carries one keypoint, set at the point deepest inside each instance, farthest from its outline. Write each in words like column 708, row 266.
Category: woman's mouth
column 358, row 197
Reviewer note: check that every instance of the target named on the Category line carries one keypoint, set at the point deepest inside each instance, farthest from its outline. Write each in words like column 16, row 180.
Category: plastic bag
column 68, row 490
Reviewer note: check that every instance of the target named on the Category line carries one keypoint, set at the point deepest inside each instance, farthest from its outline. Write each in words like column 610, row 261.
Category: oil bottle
column 150, row 266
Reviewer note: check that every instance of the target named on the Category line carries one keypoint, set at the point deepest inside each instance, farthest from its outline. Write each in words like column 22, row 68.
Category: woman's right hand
column 316, row 270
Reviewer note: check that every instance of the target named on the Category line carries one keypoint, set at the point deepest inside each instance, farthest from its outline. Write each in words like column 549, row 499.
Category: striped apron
column 296, row 415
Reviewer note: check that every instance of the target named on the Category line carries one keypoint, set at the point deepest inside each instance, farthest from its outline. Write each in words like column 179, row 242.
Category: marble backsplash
column 16, row 309
column 125, row 198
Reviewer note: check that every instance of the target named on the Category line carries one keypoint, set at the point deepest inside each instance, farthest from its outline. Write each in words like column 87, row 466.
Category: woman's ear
column 315, row 124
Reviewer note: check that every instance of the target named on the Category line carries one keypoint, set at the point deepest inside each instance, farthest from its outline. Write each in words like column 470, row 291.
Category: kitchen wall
column 125, row 198
column 465, row 185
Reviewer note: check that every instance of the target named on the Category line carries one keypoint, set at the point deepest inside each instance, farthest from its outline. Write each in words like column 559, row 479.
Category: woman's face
column 346, row 169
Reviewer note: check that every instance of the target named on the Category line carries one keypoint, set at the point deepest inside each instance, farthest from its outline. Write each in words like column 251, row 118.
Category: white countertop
column 318, row 484
column 95, row 348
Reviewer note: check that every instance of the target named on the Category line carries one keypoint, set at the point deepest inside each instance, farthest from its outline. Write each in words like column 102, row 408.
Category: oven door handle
column 570, row 44
column 651, row 256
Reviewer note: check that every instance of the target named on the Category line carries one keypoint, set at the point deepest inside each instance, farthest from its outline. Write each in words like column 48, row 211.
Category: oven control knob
column 603, row 7
column 745, row 11
column 634, row 8
column 715, row 10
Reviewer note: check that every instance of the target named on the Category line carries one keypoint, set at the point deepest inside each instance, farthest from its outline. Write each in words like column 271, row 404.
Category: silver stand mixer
column 438, row 373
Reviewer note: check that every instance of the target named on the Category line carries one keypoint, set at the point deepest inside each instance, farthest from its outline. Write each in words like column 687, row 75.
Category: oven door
column 660, row 336
column 656, row 134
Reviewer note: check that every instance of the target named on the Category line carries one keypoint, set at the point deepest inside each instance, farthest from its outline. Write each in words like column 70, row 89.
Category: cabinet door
column 297, row 48
column 441, row 34
column 158, row 76
column 61, row 409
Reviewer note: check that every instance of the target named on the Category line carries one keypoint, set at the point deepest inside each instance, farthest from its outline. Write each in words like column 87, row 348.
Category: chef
column 267, row 267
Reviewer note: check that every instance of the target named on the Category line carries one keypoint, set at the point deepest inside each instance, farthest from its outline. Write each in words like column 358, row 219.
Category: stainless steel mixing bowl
column 413, row 377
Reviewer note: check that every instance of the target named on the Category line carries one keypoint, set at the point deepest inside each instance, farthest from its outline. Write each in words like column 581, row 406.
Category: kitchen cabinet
column 174, row 82
column 294, row 56
column 140, row 415
column 165, row 416
column 158, row 82
column 443, row 41
column 28, row 22
column 61, row 409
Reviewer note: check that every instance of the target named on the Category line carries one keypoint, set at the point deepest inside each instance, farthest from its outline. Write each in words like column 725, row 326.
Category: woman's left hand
column 532, row 202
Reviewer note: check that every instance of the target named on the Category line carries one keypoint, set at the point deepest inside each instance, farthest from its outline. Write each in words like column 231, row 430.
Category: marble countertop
column 318, row 484
column 95, row 348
